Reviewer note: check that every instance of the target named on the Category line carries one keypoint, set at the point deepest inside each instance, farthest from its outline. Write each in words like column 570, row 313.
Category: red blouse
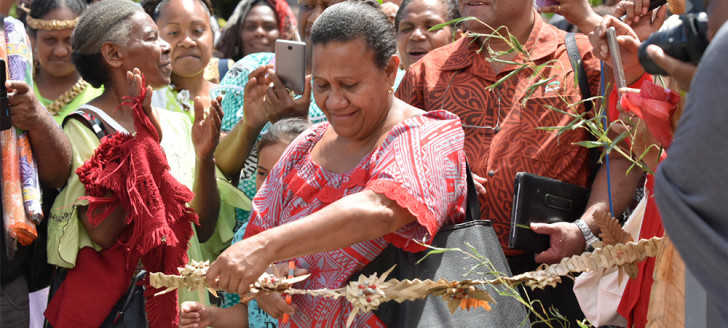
column 420, row 164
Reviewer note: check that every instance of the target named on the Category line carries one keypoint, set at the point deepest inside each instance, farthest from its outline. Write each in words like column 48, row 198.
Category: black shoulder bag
column 432, row 311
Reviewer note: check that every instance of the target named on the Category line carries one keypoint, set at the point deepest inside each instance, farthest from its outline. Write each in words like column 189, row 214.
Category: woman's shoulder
column 418, row 118
column 425, row 127
column 309, row 137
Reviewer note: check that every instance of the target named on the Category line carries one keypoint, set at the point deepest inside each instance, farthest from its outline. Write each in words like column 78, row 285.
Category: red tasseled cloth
column 132, row 172
column 655, row 105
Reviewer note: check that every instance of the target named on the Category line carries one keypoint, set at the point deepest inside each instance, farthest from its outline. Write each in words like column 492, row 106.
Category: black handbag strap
column 90, row 121
column 472, row 209
column 575, row 58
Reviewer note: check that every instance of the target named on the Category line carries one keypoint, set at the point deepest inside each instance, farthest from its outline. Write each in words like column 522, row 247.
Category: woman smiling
column 58, row 85
column 185, row 25
column 379, row 172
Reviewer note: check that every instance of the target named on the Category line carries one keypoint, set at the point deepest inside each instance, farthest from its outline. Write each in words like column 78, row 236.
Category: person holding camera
column 690, row 187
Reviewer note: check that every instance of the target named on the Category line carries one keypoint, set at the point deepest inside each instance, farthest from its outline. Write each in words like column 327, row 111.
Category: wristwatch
column 588, row 235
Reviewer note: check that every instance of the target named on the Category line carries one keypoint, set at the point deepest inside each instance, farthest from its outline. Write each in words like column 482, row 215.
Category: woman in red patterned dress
column 378, row 172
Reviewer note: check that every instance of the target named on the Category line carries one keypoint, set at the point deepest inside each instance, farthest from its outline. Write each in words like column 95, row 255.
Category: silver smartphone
column 617, row 67
column 291, row 64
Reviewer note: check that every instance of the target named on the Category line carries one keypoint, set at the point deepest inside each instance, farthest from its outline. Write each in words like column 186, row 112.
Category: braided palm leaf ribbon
column 368, row 292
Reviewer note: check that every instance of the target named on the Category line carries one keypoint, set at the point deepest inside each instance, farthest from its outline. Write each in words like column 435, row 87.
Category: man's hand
column 628, row 42
column 577, row 12
column 25, row 110
column 681, row 71
column 479, row 183
column 566, row 240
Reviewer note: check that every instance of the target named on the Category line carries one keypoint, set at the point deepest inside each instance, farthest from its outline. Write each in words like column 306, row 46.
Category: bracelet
column 588, row 235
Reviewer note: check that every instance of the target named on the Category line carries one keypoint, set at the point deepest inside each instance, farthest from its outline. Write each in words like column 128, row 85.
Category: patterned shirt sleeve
column 421, row 166
column 410, row 89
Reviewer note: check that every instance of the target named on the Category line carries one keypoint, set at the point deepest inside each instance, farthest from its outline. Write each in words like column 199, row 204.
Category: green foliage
column 593, row 124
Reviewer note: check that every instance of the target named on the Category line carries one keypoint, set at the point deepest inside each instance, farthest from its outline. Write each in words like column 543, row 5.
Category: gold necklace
column 67, row 97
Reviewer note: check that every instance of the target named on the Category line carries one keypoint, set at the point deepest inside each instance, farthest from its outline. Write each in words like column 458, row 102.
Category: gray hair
column 105, row 21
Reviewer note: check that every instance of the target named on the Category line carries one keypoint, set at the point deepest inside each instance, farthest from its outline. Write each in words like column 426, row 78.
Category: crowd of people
column 373, row 152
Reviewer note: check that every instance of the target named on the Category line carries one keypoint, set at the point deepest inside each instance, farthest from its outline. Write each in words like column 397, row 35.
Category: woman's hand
column 239, row 266
column 280, row 104
column 206, row 128
column 275, row 304
column 628, row 45
column 134, row 86
column 254, row 96
column 194, row 315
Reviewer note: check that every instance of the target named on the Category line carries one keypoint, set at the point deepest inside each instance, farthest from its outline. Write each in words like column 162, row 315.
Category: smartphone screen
column 291, row 64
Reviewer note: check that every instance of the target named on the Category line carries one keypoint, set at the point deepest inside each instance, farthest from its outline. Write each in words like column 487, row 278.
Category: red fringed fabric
column 132, row 172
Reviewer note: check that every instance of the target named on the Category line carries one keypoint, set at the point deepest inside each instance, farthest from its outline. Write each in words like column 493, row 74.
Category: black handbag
column 452, row 265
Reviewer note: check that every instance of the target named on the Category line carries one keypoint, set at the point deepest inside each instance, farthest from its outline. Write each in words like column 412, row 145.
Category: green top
column 174, row 101
column 84, row 97
column 66, row 233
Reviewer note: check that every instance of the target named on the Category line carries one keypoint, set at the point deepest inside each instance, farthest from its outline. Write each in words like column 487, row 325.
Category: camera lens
column 290, row 48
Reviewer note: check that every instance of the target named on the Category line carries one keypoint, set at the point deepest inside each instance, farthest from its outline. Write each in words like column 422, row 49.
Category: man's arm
column 566, row 238
column 51, row 147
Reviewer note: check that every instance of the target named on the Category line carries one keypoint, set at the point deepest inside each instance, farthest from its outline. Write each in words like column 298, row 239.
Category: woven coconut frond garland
column 368, row 292
column 612, row 234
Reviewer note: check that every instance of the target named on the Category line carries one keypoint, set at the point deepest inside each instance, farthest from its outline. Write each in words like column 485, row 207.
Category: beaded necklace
column 67, row 97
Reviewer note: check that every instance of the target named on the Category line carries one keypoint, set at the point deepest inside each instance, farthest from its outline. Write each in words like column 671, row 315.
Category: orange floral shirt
column 455, row 78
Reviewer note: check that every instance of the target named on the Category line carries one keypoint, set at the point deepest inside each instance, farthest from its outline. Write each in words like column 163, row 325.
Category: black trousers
column 561, row 298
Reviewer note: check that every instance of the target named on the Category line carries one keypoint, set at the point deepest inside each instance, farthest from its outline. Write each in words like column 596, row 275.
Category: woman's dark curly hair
column 354, row 19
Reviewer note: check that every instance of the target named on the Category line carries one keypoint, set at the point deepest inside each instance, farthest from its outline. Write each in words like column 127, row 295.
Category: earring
column 390, row 90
